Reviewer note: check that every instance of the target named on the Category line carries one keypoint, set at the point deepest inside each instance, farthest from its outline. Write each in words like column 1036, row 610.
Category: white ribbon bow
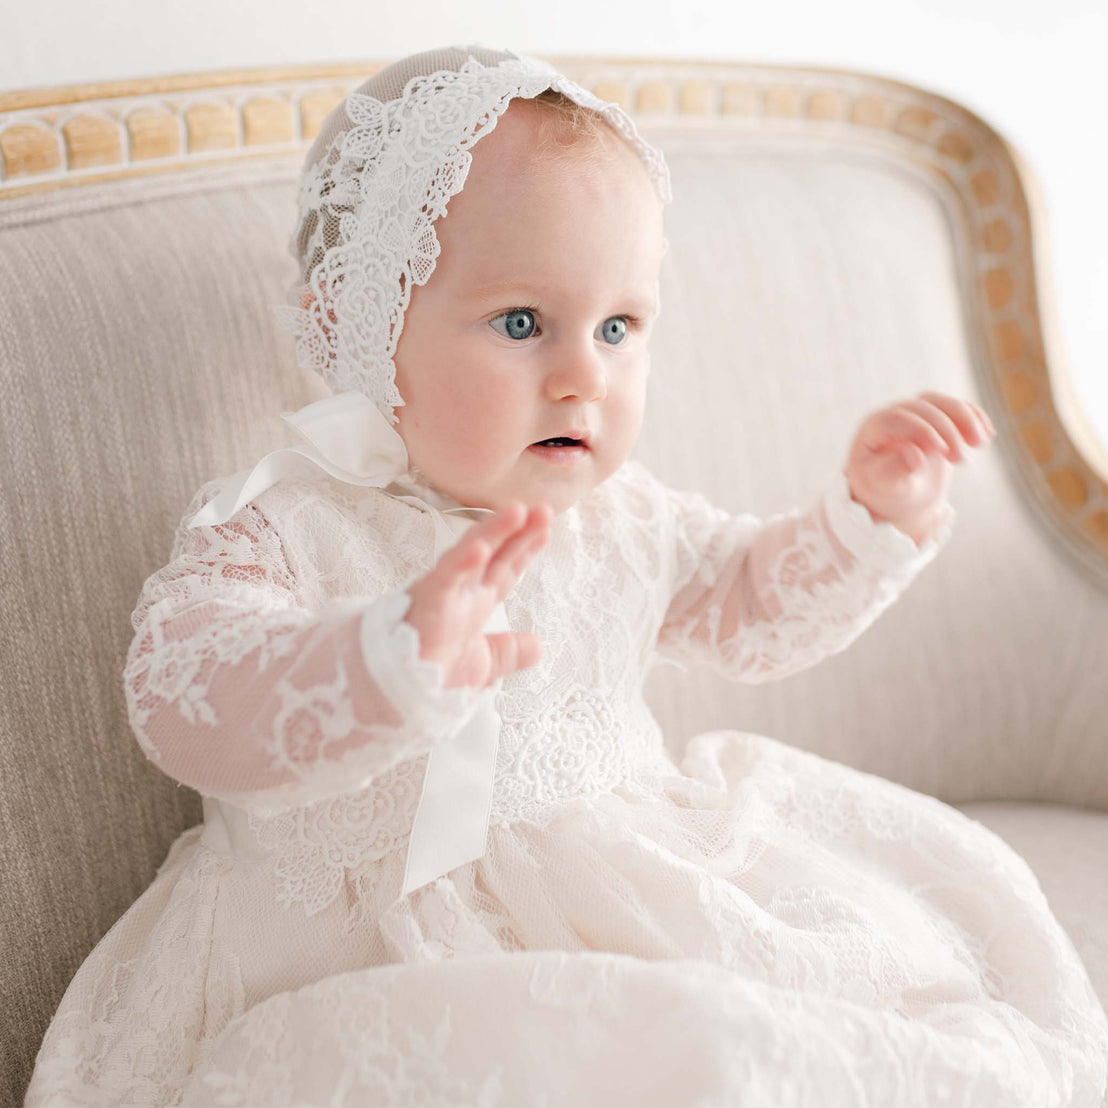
column 346, row 436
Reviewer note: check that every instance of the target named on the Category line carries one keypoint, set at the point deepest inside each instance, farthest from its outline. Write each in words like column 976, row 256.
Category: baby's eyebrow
column 480, row 292
column 641, row 303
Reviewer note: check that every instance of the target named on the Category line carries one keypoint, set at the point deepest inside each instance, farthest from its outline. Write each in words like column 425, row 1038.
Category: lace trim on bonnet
column 369, row 204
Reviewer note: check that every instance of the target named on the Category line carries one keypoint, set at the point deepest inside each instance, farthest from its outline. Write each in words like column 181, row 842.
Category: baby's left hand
column 898, row 465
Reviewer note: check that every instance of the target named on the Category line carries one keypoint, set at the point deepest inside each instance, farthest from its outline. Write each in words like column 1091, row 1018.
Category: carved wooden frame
column 68, row 136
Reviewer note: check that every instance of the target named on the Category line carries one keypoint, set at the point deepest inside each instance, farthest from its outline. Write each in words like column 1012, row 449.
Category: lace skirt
column 769, row 928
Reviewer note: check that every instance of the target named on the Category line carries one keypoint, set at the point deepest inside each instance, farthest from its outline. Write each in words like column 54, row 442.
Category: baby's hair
column 570, row 128
column 571, row 131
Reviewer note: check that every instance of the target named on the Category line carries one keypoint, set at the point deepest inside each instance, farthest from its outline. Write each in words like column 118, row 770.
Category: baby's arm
column 757, row 600
column 236, row 688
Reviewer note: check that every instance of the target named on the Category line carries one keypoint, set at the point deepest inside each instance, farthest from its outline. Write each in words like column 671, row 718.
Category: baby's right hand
column 451, row 604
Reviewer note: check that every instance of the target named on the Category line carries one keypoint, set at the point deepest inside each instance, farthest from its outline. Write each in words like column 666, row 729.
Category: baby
column 446, row 857
column 535, row 326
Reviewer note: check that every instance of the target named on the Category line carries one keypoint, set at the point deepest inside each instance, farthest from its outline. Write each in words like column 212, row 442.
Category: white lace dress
column 756, row 925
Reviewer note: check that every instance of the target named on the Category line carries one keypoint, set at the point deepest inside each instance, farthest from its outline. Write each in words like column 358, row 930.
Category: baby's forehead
column 555, row 141
column 554, row 245
column 533, row 209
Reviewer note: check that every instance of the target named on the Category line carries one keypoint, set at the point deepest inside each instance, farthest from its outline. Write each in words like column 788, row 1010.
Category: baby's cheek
column 627, row 412
column 476, row 417
column 451, row 444
column 481, row 452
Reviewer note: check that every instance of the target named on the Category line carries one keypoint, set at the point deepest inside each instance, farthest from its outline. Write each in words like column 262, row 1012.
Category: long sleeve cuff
column 415, row 686
column 880, row 544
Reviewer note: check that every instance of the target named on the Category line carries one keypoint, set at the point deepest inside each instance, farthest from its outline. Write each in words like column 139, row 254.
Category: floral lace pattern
column 383, row 183
column 552, row 1029
column 798, row 605
column 389, row 1061
column 137, row 1030
column 287, row 585
column 301, row 714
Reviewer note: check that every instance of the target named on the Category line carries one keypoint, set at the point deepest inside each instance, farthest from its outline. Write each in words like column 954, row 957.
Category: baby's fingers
column 945, row 418
column 901, row 423
column 511, row 651
column 466, row 560
column 462, row 564
column 508, row 562
column 983, row 417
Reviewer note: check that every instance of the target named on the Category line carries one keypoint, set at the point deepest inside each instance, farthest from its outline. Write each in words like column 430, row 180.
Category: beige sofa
column 837, row 241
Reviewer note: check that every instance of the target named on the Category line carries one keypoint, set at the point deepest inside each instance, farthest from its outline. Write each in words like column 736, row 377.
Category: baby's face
column 534, row 323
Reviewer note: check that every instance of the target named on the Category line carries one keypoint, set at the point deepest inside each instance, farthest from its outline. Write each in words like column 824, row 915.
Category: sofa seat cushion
column 1067, row 850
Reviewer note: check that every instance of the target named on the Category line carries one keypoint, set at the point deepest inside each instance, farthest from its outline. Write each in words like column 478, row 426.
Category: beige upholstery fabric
column 985, row 680
column 138, row 358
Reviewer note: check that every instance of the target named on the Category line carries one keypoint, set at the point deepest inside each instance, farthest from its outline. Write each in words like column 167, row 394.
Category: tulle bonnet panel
column 382, row 169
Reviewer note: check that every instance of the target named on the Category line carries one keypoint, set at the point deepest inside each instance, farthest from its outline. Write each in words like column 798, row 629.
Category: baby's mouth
column 561, row 441
column 579, row 437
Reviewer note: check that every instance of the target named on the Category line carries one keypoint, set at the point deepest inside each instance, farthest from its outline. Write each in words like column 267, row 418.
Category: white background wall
column 1033, row 69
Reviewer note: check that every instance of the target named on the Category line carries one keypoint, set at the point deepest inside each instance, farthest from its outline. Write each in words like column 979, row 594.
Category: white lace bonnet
column 380, row 172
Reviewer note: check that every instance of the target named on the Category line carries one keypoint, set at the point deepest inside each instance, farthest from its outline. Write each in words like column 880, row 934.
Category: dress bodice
column 303, row 597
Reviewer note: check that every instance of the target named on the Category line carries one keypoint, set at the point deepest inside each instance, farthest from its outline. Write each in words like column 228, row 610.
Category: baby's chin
column 559, row 497
column 558, row 500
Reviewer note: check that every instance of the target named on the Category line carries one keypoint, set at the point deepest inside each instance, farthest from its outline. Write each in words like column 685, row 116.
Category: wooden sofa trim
column 72, row 135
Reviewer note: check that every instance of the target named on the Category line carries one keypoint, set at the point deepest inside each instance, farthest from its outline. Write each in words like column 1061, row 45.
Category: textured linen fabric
column 866, row 944
column 118, row 327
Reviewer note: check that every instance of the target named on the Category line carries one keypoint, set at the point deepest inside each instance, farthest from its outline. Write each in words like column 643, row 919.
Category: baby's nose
column 580, row 374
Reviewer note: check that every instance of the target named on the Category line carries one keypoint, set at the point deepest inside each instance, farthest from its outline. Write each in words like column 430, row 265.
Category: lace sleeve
column 237, row 689
column 756, row 601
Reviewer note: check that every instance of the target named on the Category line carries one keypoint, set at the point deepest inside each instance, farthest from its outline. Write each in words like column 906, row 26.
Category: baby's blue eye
column 518, row 324
column 613, row 329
